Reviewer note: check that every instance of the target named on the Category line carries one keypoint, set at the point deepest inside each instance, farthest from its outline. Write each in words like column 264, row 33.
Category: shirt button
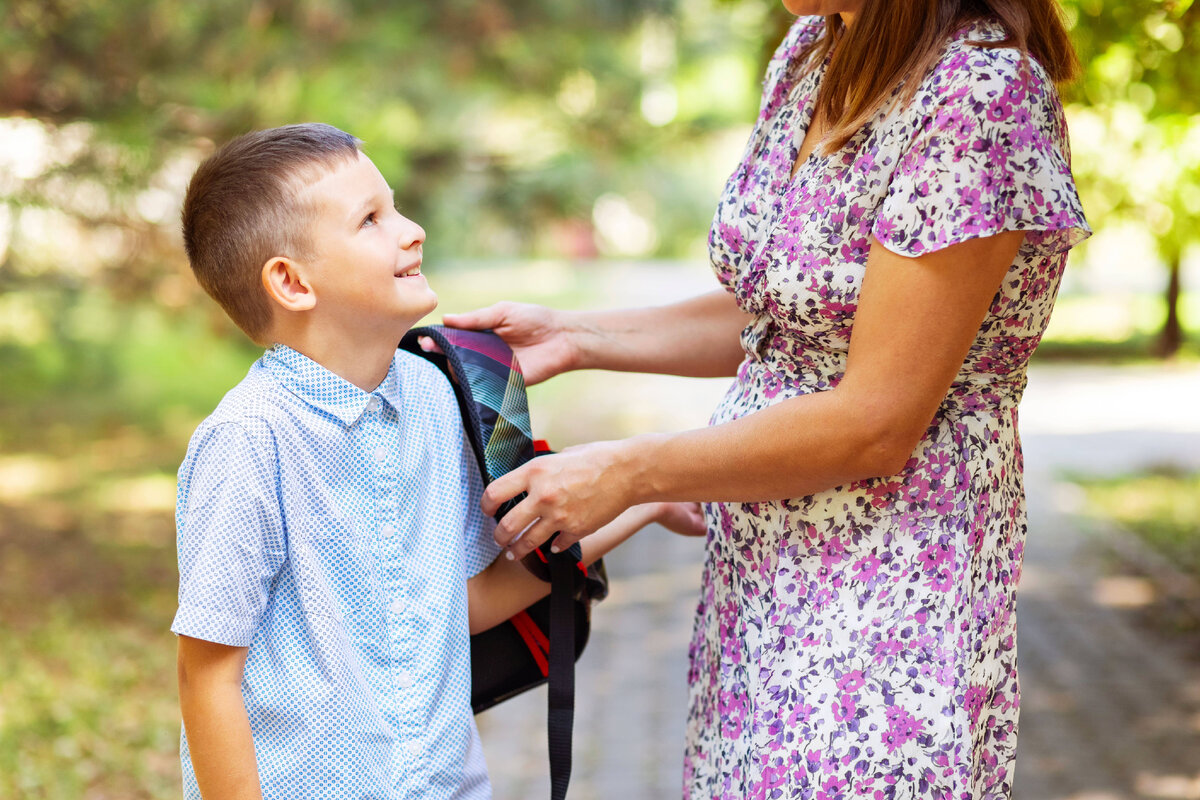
column 387, row 530
column 404, row 680
column 414, row 748
column 398, row 607
column 381, row 454
column 373, row 403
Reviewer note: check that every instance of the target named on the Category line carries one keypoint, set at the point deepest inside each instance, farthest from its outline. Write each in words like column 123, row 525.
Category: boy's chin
column 417, row 313
column 425, row 310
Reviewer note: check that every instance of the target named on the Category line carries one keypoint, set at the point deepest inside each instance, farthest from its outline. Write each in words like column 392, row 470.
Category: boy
column 328, row 510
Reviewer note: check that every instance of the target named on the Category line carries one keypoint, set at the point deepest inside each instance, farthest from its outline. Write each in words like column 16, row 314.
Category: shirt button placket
column 400, row 621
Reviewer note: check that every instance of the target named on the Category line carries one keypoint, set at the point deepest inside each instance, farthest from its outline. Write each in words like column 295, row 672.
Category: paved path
column 1111, row 711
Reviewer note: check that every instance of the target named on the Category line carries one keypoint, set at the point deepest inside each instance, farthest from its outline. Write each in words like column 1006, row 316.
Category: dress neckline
column 802, row 96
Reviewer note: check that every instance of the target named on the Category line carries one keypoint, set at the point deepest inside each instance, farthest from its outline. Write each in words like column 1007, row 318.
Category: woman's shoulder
column 803, row 32
column 966, row 70
column 781, row 71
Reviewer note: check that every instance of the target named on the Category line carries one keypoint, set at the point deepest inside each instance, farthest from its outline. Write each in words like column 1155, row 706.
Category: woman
column 889, row 249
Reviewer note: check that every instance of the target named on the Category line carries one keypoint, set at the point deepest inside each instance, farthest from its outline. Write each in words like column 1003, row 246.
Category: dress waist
column 790, row 364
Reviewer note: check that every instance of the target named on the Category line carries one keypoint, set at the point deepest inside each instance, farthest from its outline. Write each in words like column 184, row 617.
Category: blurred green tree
column 500, row 122
column 509, row 127
column 1141, row 102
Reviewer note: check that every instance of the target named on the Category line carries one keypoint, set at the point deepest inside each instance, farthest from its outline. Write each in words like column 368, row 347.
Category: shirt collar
column 322, row 389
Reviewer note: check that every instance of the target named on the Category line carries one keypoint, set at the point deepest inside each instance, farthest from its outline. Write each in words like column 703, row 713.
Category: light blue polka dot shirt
column 331, row 531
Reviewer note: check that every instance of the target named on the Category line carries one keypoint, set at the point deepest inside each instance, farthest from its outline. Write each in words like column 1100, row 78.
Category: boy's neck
column 362, row 360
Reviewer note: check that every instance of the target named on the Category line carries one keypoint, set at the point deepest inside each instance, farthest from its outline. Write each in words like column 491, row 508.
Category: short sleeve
column 230, row 534
column 988, row 154
column 480, row 548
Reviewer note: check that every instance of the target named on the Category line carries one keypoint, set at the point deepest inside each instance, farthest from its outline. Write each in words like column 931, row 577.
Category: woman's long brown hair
column 894, row 40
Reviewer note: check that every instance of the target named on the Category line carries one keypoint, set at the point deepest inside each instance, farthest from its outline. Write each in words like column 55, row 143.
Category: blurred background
column 570, row 154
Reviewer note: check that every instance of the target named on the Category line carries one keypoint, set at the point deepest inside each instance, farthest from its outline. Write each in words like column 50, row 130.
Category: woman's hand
column 573, row 493
column 697, row 337
column 537, row 335
column 686, row 519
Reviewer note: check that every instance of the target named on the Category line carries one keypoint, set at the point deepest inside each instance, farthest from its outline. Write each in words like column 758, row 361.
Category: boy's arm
column 214, row 716
column 506, row 587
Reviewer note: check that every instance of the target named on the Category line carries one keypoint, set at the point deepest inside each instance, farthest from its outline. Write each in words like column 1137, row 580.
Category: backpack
column 540, row 644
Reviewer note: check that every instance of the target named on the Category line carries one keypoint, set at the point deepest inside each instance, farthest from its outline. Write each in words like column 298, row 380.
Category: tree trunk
column 1170, row 340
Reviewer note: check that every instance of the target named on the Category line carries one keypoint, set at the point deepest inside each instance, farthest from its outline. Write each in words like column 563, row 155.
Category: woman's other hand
column 537, row 335
column 685, row 519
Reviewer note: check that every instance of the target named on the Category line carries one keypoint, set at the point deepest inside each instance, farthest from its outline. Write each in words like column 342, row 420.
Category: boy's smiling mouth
column 409, row 272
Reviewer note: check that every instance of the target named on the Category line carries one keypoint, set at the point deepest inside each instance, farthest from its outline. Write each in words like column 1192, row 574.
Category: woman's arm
column 916, row 320
column 214, row 716
column 506, row 587
column 696, row 337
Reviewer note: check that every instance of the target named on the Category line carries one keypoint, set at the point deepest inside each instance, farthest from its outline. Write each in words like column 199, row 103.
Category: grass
column 1140, row 348
column 1163, row 508
column 98, row 404
column 87, row 591
column 1115, row 329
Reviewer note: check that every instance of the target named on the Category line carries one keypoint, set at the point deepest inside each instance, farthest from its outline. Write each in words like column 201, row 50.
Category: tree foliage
column 499, row 123
column 508, row 127
column 1138, row 122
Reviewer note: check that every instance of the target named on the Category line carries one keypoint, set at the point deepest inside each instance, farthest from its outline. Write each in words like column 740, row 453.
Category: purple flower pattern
column 860, row 642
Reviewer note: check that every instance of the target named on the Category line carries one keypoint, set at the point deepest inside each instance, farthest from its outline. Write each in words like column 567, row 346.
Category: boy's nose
column 411, row 234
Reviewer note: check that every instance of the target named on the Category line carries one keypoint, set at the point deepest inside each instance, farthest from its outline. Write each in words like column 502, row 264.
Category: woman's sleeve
column 989, row 154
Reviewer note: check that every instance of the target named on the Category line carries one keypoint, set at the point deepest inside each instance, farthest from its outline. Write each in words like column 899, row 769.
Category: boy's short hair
column 245, row 206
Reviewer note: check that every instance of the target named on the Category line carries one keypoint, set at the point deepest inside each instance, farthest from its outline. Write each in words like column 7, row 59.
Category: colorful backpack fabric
column 540, row 644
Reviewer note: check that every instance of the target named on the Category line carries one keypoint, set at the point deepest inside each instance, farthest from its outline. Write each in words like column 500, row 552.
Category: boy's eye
column 369, row 219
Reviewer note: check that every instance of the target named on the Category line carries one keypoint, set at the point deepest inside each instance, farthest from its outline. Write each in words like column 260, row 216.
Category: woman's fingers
column 517, row 524
column 535, row 334
column 480, row 319
column 574, row 493
column 532, row 538
column 429, row 345
column 505, row 488
column 564, row 540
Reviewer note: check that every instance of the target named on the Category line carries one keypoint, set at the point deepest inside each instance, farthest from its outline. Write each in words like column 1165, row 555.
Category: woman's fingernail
column 509, row 555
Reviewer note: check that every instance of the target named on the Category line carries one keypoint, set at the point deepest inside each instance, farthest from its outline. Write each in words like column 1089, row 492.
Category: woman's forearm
column 698, row 337
column 755, row 458
column 842, row 437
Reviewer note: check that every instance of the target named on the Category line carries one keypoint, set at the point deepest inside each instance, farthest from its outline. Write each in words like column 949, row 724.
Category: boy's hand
column 686, row 519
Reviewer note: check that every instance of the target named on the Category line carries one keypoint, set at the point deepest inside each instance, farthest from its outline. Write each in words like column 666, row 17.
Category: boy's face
column 366, row 268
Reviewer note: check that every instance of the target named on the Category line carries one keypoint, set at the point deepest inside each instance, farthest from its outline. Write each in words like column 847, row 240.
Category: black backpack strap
column 560, row 716
column 570, row 583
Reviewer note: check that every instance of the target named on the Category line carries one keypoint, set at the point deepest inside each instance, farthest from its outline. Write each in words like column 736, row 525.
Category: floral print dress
column 860, row 642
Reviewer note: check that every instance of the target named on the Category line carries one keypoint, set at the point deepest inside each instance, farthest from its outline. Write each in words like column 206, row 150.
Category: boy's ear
column 286, row 284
